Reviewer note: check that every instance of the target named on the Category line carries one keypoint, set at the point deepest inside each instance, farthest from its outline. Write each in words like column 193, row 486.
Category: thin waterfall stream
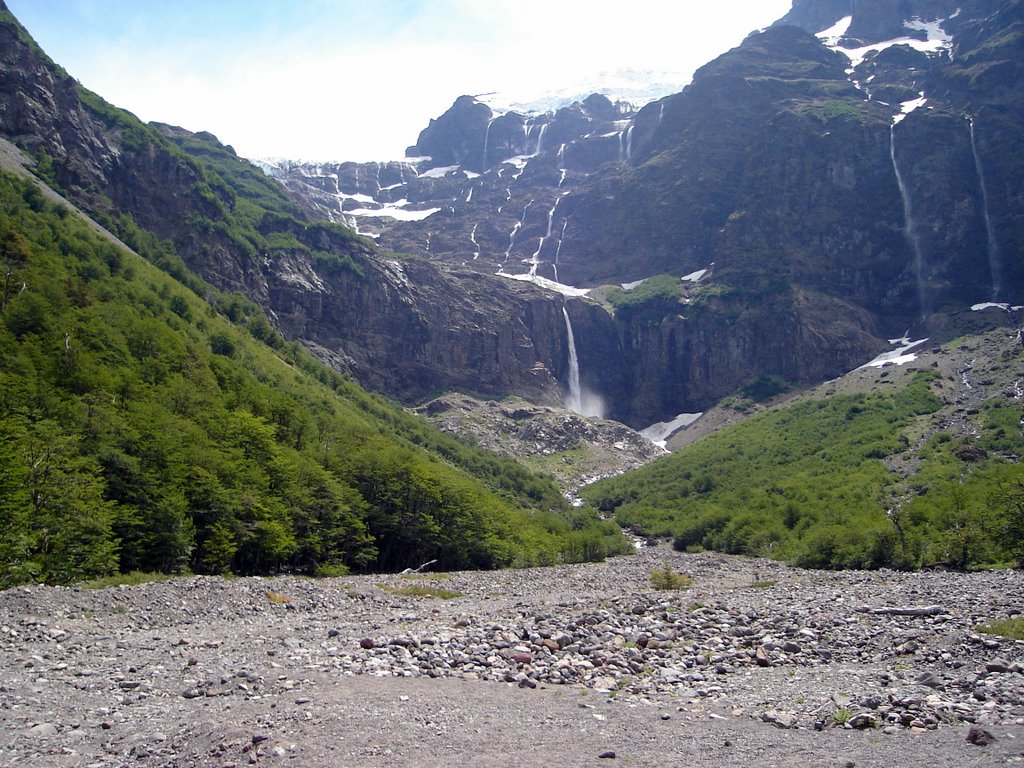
column 574, row 400
column 909, row 230
column 994, row 265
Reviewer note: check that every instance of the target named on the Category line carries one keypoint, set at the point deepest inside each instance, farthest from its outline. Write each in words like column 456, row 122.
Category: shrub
column 1012, row 628
column 666, row 578
column 421, row 590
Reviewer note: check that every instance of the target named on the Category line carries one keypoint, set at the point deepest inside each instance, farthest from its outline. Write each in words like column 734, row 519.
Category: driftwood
column 418, row 570
column 925, row 610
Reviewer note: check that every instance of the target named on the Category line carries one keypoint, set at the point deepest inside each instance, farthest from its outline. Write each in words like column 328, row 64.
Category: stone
column 367, row 643
column 997, row 666
column 761, row 658
column 979, row 736
column 784, row 720
column 929, row 679
column 607, row 755
column 43, row 730
column 862, row 720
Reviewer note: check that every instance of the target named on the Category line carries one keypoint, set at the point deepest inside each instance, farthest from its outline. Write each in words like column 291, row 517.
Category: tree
column 71, row 531
column 1010, row 496
column 14, row 254
column 14, row 540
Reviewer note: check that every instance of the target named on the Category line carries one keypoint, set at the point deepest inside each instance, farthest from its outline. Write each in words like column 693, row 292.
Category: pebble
column 899, row 651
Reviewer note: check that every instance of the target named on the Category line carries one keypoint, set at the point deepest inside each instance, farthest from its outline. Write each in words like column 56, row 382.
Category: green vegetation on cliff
column 808, row 483
column 143, row 428
column 648, row 302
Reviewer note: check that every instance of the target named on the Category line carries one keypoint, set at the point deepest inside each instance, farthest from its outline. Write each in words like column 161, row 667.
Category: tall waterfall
column 994, row 265
column 487, row 136
column 909, row 230
column 540, row 139
column 574, row 400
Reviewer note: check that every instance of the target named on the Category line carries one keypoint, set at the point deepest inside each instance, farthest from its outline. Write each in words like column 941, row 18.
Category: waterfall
column 515, row 230
column 512, row 239
column 540, row 138
column 487, row 135
column 629, row 143
column 476, row 245
column 560, row 163
column 535, row 259
column 994, row 265
column 909, row 230
column 561, row 237
column 574, row 400
column 661, row 113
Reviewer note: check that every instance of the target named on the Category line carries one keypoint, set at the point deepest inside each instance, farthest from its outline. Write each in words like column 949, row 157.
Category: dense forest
column 143, row 427
column 808, row 483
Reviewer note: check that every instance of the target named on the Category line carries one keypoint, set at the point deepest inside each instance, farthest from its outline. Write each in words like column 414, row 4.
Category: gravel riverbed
column 754, row 664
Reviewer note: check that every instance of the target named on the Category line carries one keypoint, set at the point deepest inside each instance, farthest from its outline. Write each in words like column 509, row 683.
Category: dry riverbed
column 754, row 664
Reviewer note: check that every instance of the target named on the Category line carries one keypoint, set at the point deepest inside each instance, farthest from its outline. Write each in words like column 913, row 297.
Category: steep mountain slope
column 831, row 190
column 910, row 462
column 159, row 424
column 816, row 208
column 318, row 282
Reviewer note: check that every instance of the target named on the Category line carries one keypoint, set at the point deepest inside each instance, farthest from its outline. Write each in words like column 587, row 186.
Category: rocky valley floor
column 755, row 663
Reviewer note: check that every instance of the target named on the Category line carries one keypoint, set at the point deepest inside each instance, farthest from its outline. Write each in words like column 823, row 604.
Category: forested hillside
column 904, row 476
column 143, row 427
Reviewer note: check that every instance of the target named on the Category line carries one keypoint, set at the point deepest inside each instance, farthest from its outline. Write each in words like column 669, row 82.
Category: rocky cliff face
column 820, row 191
column 407, row 328
column 845, row 174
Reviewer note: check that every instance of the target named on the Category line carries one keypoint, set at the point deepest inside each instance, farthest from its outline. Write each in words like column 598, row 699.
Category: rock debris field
column 753, row 664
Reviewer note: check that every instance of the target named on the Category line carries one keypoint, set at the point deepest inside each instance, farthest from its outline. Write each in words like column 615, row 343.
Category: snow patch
column 358, row 197
column 897, row 356
column 439, row 173
column 831, row 35
column 660, row 432
column 395, row 211
column 694, row 277
column 990, row 305
column 938, row 39
column 909, row 106
column 543, row 282
column 632, row 285
column 519, row 161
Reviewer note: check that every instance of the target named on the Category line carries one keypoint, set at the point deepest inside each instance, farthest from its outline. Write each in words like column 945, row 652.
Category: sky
column 359, row 79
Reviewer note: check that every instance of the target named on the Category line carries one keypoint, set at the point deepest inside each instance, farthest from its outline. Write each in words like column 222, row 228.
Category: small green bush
column 421, row 590
column 842, row 716
column 1011, row 628
column 666, row 578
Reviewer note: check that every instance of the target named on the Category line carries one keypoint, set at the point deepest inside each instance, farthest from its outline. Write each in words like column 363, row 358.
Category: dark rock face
column 457, row 136
column 875, row 20
column 778, row 169
column 408, row 328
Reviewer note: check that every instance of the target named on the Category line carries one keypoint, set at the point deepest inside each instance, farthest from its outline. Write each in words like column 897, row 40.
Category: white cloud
column 301, row 95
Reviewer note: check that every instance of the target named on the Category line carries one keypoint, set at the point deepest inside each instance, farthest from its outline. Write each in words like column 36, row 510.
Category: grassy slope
column 811, row 483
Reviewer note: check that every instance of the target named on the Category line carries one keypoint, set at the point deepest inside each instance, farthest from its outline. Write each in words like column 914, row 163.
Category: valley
column 753, row 663
column 682, row 432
